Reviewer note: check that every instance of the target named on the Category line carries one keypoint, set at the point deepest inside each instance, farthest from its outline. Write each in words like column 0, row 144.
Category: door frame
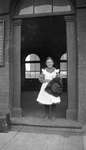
column 71, row 112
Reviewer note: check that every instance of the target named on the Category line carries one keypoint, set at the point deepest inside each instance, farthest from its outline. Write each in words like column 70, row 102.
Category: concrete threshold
column 47, row 123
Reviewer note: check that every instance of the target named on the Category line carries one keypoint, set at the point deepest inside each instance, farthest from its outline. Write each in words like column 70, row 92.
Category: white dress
column 43, row 96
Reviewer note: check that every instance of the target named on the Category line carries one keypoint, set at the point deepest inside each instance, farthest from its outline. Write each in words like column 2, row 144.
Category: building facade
column 11, row 16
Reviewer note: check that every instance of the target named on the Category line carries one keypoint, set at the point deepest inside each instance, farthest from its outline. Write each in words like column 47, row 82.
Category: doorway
column 42, row 37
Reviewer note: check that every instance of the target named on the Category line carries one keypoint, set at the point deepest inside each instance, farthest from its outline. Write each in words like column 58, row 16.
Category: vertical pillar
column 72, row 69
column 17, row 68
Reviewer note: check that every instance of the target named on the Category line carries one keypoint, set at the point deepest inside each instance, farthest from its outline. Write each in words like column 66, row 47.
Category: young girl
column 49, row 101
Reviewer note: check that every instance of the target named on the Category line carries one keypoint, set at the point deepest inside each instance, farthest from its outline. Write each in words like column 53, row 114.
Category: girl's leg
column 53, row 110
column 46, row 110
column 49, row 112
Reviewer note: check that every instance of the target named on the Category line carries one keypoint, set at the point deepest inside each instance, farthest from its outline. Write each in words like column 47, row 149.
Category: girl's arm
column 59, row 76
column 57, row 73
column 41, row 78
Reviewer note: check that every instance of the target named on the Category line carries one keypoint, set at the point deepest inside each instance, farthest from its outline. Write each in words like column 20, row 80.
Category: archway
column 71, row 51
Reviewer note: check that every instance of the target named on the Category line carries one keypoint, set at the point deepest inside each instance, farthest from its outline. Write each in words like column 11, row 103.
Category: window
column 32, row 66
column 63, row 65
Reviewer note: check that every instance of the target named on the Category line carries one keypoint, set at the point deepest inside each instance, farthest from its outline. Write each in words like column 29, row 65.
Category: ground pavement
column 41, row 138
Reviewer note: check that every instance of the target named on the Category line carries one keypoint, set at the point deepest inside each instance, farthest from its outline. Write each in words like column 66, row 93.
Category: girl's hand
column 41, row 78
column 57, row 75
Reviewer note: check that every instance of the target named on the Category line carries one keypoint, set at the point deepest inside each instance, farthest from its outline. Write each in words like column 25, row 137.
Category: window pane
column 64, row 57
column 37, row 74
column 63, row 74
column 32, row 70
column 37, row 67
column 27, row 75
column 32, row 67
column 63, row 66
column 32, row 57
column 27, row 67
column 33, row 75
column 27, row 58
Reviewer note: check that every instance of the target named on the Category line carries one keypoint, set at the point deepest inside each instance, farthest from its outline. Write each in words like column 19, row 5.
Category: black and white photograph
column 42, row 74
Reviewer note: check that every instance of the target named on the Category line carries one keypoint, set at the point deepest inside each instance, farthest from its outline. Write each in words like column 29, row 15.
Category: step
column 57, row 123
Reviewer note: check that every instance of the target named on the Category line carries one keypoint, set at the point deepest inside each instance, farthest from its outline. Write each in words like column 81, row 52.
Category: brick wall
column 81, row 41
column 4, row 73
column 81, row 3
column 81, row 64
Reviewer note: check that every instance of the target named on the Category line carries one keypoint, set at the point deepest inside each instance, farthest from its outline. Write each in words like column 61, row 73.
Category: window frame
column 34, row 62
column 65, row 61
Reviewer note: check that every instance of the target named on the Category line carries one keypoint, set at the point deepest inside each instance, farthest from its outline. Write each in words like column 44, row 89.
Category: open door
column 42, row 37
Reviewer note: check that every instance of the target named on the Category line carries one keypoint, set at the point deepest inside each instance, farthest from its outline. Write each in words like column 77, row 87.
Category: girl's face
column 49, row 63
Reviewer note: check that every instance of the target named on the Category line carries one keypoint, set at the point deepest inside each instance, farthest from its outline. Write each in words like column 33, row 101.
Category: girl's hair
column 49, row 58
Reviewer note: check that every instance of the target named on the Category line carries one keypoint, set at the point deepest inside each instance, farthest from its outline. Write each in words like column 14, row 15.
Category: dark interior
column 44, row 36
